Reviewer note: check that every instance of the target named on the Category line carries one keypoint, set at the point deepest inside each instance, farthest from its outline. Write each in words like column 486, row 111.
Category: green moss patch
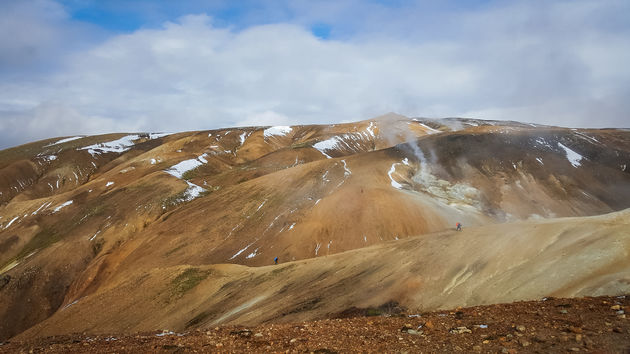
column 187, row 280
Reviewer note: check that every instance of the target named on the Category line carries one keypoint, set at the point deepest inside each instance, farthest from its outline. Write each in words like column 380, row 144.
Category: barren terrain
column 127, row 233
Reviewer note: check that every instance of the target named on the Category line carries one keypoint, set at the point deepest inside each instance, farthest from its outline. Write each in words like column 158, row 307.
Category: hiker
column 275, row 260
column 459, row 226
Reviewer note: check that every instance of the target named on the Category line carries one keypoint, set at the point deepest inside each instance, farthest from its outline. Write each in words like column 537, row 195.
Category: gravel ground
column 597, row 325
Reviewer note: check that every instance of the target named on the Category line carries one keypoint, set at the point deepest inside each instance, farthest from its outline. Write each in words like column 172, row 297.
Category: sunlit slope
column 562, row 257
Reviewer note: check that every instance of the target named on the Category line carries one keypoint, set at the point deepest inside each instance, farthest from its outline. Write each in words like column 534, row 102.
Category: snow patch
column 543, row 142
column 94, row 236
column 390, row 172
column 158, row 135
column 153, row 161
column 573, row 157
column 118, row 146
column 277, row 130
column 539, row 160
column 70, row 304
column 11, row 222
column 241, row 251
column 346, row 171
column 253, row 254
column 317, row 246
column 109, row 184
column 64, row 140
column 428, row 129
column 179, row 169
column 370, row 129
column 41, row 207
column 192, row 192
column 62, row 206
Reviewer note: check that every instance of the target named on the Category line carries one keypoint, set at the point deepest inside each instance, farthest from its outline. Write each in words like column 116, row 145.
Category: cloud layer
column 561, row 63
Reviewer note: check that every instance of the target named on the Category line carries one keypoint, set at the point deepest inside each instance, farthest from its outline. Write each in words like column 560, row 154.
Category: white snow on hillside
column 158, row 135
column 573, row 157
column 192, row 192
column 277, row 130
column 370, row 129
column 389, row 173
column 187, row 165
column 11, row 222
column 121, row 145
column 64, row 140
column 62, row 206
column 350, row 141
column 329, row 144
column 429, row 129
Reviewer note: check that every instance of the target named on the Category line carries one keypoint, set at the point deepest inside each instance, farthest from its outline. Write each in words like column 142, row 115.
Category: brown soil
column 591, row 324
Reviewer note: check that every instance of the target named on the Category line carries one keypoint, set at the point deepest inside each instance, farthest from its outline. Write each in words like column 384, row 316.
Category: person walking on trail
column 459, row 226
column 275, row 260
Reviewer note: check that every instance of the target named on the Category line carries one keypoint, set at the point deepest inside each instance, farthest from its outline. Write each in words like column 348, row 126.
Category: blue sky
column 85, row 66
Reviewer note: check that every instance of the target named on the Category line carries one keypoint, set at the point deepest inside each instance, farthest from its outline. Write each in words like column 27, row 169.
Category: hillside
column 180, row 230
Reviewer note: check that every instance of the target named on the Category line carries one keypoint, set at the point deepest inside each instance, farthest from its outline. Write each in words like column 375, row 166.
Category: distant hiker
column 459, row 226
column 275, row 260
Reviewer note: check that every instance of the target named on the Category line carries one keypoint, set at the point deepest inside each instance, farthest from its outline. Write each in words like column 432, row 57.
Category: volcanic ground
column 127, row 233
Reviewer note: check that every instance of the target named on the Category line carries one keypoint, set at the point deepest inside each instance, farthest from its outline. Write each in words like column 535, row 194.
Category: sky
column 71, row 67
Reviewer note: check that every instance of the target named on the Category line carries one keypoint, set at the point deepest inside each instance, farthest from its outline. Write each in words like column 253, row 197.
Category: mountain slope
column 499, row 263
column 79, row 216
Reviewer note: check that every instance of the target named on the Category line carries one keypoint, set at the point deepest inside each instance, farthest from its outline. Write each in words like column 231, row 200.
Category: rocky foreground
column 592, row 324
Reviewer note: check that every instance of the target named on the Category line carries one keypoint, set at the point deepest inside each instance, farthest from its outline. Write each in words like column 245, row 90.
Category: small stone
column 620, row 312
column 564, row 312
column 520, row 328
column 429, row 325
column 524, row 342
column 258, row 335
column 578, row 337
column 414, row 332
column 219, row 345
column 460, row 330
column 293, row 340
column 573, row 329
column 615, row 307
column 476, row 348
column 621, row 316
column 486, row 341
column 574, row 349
column 458, row 348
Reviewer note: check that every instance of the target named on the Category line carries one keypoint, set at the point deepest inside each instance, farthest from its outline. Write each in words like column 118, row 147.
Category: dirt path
column 552, row 325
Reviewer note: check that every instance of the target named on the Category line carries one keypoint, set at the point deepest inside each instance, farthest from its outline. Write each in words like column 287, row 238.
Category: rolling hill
column 145, row 231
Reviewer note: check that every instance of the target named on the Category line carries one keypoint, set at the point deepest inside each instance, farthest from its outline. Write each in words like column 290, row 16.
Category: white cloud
column 530, row 61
